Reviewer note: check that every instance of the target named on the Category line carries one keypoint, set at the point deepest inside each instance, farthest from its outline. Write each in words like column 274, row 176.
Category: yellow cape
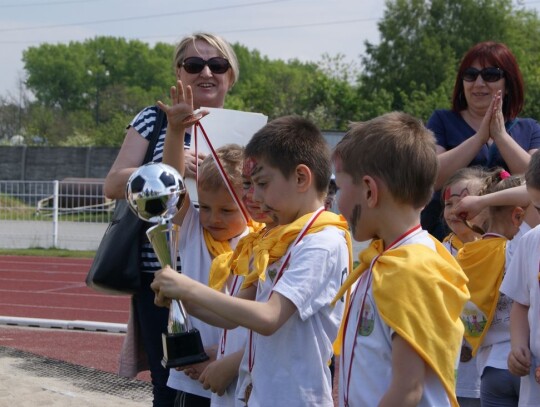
column 483, row 262
column 221, row 251
column 455, row 241
column 419, row 293
column 263, row 250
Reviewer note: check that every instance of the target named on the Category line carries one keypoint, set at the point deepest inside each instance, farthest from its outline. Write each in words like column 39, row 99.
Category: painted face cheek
column 248, row 167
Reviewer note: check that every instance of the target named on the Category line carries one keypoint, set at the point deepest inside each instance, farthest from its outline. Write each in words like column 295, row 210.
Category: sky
column 278, row 29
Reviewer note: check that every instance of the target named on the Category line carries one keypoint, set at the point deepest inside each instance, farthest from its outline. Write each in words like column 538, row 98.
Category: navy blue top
column 451, row 130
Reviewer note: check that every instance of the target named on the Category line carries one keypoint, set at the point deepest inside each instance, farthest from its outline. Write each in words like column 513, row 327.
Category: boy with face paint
column 401, row 332
column 298, row 268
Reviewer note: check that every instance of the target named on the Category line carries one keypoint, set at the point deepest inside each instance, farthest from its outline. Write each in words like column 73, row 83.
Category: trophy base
column 183, row 349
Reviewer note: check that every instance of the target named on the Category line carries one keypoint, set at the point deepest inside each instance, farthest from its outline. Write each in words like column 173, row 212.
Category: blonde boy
column 292, row 322
column 213, row 230
column 401, row 332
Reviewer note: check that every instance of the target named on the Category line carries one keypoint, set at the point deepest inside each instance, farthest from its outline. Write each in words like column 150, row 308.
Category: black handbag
column 116, row 265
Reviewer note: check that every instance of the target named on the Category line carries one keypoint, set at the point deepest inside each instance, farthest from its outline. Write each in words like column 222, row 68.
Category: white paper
column 223, row 126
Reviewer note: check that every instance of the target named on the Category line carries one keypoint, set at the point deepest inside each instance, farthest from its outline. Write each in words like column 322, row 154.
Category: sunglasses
column 491, row 74
column 196, row 65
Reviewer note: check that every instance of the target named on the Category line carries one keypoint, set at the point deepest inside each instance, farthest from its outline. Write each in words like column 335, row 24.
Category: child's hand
column 519, row 361
column 218, row 376
column 468, row 207
column 194, row 371
column 180, row 114
column 192, row 162
column 168, row 284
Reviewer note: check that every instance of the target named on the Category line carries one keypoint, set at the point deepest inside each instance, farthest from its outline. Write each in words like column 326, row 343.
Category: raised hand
column 180, row 114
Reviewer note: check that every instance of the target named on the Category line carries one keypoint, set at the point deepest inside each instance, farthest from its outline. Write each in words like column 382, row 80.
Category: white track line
column 64, row 324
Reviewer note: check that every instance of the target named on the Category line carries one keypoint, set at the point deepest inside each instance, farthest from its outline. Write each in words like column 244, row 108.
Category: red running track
column 54, row 288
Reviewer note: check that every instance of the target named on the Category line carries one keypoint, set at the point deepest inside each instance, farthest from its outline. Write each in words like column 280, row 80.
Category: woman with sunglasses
column 209, row 65
column 481, row 129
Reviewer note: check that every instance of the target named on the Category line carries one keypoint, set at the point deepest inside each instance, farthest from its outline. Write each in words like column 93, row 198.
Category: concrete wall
column 24, row 163
column 50, row 163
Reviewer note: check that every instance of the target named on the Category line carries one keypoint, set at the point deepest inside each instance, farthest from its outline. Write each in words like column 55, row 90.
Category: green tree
column 423, row 41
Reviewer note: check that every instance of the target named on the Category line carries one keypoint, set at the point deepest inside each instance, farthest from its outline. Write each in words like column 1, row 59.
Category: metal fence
column 71, row 213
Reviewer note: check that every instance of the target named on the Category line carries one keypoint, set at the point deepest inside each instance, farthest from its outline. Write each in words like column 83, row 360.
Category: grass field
column 47, row 252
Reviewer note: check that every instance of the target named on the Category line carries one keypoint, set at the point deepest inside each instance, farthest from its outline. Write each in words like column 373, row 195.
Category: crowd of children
column 269, row 283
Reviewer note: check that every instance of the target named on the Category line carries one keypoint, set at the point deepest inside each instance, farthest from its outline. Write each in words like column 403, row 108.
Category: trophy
column 154, row 192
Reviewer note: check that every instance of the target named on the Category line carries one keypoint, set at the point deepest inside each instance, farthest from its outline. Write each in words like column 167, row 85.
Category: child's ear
column 304, row 177
column 370, row 191
column 518, row 214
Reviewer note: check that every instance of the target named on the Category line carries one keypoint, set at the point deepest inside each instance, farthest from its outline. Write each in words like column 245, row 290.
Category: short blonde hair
column 224, row 48
column 396, row 148
column 231, row 157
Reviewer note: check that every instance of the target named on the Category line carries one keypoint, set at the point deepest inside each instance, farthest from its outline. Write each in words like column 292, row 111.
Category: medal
column 247, row 393
column 466, row 354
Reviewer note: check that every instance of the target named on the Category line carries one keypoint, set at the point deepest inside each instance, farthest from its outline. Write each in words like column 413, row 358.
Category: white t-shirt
column 230, row 341
column 468, row 378
column 522, row 285
column 290, row 367
column 496, row 344
column 368, row 377
column 196, row 262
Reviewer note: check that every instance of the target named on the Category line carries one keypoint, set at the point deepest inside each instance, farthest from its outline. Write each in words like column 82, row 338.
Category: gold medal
column 247, row 393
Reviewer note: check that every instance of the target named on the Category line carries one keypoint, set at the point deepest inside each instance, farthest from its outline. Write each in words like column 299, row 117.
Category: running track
column 54, row 288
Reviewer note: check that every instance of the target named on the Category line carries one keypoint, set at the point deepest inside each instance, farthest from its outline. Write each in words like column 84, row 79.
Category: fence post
column 56, row 189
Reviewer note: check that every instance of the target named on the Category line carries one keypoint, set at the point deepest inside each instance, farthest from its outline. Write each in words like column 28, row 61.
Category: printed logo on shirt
column 367, row 319
column 473, row 319
column 502, row 313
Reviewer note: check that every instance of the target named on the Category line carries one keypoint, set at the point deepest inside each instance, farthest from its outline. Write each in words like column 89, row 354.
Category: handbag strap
column 154, row 137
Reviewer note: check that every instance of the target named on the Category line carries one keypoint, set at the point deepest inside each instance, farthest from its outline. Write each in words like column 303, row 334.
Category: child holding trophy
column 213, row 230
column 301, row 263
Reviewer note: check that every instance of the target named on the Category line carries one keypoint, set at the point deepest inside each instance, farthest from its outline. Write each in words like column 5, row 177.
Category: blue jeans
column 152, row 323
column 499, row 388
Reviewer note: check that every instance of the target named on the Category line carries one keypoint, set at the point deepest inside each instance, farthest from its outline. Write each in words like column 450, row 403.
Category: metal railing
column 71, row 213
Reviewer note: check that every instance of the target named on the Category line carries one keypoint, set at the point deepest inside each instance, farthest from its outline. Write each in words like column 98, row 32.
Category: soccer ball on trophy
column 155, row 191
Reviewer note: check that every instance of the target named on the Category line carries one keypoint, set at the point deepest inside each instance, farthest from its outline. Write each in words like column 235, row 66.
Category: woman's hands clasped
column 492, row 126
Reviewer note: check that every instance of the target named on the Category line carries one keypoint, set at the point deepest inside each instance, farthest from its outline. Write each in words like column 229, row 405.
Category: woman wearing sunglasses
column 481, row 129
column 209, row 65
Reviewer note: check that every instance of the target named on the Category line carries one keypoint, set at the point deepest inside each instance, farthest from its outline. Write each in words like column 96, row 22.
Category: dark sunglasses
column 491, row 74
column 197, row 64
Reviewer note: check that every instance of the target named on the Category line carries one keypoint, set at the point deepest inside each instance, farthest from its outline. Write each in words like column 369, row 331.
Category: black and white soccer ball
column 155, row 191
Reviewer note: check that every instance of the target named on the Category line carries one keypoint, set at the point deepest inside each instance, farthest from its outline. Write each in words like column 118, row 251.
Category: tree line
column 85, row 93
